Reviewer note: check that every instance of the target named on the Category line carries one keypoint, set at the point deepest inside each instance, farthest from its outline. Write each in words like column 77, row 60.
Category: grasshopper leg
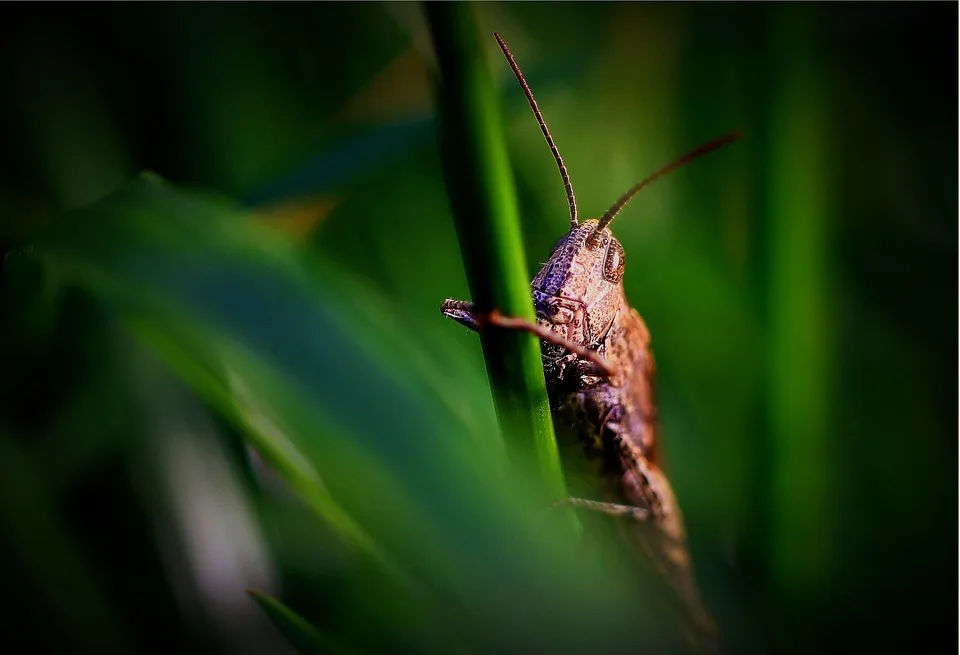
column 611, row 509
column 467, row 314
column 462, row 311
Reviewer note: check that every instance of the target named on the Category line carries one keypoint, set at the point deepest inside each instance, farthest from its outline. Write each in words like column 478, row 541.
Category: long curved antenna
column 611, row 213
column 543, row 128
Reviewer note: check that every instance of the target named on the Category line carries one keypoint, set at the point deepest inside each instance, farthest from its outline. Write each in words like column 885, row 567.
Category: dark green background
column 799, row 285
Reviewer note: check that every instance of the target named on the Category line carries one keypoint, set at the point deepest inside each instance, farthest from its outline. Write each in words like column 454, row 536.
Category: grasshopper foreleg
column 462, row 311
column 467, row 314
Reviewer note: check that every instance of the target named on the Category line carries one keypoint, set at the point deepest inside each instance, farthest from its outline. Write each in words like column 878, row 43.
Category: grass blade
column 304, row 636
column 480, row 186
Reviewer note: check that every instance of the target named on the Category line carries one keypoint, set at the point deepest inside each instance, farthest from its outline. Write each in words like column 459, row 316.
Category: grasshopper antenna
column 543, row 128
column 611, row 213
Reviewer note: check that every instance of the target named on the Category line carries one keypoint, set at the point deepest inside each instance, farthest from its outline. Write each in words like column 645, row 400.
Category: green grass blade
column 800, row 346
column 479, row 183
column 304, row 636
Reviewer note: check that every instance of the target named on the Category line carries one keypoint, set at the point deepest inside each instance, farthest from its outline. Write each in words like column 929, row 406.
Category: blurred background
column 796, row 285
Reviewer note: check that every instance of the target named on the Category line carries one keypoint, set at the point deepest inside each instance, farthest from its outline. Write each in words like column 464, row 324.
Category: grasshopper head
column 578, row 291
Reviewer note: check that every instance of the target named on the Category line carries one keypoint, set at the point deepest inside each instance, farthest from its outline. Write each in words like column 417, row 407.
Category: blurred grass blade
column 99, row 265
column 482, row 197
column 329, row 385
column 304, row 636
column 800, row 344
column 231, row 397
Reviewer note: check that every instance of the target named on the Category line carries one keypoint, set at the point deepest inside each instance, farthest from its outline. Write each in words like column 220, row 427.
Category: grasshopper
column 600, row 379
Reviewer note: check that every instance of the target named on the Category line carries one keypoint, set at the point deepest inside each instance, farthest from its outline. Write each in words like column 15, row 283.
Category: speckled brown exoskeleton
column 600, row 379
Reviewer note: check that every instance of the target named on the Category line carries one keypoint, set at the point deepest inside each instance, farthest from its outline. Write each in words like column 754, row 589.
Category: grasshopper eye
column 613, row 266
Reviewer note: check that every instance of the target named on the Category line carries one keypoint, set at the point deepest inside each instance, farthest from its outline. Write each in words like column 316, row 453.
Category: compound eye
column 613, row 266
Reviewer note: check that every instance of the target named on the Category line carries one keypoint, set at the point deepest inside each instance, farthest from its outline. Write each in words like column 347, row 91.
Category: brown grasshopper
column 600, row 372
